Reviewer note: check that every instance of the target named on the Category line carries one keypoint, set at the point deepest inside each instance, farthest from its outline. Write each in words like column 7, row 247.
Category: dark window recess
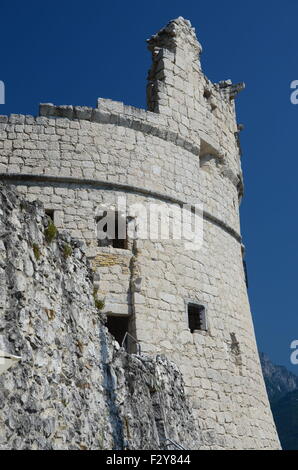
column 118, row 326
column 114, row 230
column 196, row 317
column 50, row 214
column 245, row 273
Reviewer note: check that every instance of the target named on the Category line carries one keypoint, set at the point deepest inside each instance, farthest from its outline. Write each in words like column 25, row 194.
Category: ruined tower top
column 194, row 106
column 177, row 34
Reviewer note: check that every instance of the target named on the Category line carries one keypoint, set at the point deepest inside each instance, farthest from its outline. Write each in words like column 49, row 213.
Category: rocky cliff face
column 74, row 388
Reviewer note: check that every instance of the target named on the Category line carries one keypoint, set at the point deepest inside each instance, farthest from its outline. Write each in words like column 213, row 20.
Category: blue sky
column 71, row 52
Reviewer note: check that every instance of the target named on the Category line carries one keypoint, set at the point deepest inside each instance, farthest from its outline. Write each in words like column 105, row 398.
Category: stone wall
column 73, row 388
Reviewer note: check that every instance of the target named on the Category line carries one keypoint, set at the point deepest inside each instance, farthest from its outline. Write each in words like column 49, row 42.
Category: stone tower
column 189, row 304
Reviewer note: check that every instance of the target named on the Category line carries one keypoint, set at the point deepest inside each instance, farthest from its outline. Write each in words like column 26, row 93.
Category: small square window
column 196, row 317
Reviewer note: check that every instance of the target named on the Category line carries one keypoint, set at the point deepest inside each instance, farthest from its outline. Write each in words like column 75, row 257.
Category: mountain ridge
column 282, row 389
column 278, row 379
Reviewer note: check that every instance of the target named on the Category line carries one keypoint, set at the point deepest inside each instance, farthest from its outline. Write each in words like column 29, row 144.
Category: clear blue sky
column 71, row 52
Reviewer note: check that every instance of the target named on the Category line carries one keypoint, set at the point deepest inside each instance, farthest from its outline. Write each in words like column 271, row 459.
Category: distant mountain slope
column 282, row 389
column 279, row 381
column 285, row 413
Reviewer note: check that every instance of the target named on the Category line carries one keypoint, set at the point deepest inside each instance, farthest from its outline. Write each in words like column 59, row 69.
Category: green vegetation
column 99, row 304
column 67, row 251
column 36, row 251
column 50, row 232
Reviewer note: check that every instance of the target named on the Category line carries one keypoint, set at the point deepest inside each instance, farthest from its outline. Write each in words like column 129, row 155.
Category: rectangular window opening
column 112, row 230
column 50, row 213
column 118, row 326
column 196, row 317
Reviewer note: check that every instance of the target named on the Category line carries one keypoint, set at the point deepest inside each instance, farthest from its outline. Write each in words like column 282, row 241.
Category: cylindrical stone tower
column 190, row 304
